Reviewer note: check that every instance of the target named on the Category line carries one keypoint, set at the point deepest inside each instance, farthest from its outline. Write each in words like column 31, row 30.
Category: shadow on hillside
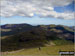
column 9, row 45
column 30, row 39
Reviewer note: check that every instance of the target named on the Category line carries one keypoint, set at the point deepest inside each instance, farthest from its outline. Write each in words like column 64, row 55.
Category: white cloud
column 43, row 8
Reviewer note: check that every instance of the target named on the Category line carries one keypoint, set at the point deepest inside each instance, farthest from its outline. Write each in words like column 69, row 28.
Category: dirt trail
column 11, row 52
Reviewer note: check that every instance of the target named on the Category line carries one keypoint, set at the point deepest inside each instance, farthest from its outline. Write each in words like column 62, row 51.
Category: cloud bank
column 28, row 8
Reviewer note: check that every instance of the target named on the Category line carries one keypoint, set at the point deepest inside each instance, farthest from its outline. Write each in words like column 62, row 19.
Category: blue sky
column 36, row 20
column 69, row 7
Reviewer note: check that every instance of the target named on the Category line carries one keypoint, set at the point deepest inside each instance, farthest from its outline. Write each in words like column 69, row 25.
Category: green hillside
column 51, row 39
column 32, row 39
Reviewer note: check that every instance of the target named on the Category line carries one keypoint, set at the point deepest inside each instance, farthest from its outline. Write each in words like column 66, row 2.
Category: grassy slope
column 46, row 50
column 49, row 50
column 12, row 43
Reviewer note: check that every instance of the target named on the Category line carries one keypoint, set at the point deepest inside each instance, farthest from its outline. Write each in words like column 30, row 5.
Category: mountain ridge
column 28, row 36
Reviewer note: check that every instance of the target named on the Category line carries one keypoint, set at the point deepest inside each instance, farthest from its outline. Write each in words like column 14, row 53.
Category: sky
column 36, row 12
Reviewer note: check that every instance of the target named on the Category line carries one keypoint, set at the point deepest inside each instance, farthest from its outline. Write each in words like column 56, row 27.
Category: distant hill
column 10, row 29
column 60, row 30
column 13, row 26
